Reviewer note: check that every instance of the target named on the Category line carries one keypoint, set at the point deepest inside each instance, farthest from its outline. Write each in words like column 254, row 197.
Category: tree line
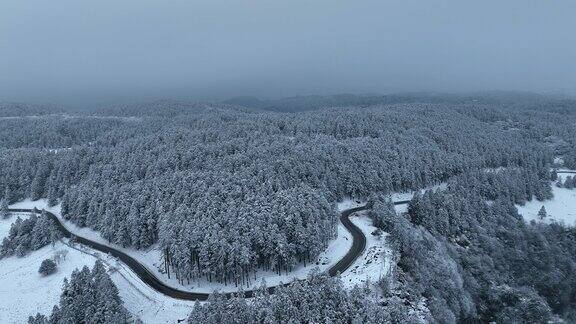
column 29, row 235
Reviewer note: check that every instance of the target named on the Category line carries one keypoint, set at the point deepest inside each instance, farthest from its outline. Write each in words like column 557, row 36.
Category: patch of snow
column 568, row 172
column 29, row 204
column 561, row 208
column 27, row 117
column 496, row 170
column 67, row 116
column 23, row 292
column 348, row 203
column 56, row 150
column 401, row 209
column 122, row 118
column 558, row 160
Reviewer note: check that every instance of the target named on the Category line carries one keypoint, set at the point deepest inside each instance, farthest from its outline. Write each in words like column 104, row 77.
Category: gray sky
column 78, row 50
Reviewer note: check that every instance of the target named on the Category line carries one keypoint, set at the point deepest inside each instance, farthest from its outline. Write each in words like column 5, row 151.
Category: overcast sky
column 69, row 50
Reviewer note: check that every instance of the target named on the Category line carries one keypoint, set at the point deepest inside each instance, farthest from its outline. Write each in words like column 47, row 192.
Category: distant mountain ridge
column 166, row 108
column 16, row 109
column 315, row 102
column 169, row 108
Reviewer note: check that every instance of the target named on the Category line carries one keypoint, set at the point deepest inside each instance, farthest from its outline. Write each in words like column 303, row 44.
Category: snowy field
column 561, row 208
column 23, row 292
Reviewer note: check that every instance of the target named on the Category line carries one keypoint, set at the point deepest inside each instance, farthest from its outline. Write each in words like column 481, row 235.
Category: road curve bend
column 358, row 246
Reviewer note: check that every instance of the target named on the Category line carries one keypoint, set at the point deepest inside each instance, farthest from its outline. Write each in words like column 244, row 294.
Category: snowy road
column 357, row 248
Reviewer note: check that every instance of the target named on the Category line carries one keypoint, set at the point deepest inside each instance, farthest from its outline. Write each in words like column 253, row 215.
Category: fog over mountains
column 70, row 52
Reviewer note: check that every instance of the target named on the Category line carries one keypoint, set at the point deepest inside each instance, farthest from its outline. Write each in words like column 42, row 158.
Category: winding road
column 357, row 248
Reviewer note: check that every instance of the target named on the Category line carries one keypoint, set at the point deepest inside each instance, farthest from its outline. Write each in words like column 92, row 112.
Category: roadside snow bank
column 374, row 263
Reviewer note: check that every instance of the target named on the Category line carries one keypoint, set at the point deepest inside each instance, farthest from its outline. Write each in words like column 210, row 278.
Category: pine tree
column 47, row 267
column 38, row 319
column 89, row 296
column 4, row 213
column 52, row 195
column 8, row 196
column 542, row 213
column 553, row 175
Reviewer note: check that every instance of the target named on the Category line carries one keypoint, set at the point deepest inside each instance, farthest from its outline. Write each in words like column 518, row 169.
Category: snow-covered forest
column 227, row 189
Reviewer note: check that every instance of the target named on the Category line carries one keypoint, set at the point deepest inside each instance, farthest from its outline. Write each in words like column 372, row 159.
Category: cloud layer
column 58, row 50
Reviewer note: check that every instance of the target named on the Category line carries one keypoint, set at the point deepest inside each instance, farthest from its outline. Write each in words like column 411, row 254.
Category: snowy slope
column 24, row 292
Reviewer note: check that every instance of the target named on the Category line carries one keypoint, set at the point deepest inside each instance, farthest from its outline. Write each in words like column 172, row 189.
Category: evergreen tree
column 28, row 235
column 4, row 212
column 38, row 319
column 542, row 214
column 553, row 175
column 47, row 267
column 89, row 296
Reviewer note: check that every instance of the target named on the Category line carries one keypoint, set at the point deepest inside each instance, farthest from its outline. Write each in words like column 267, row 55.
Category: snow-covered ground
column 66, row 116
column 56, row 150
column 561, row 208
column 374, row 262
column 23, row 292
column 558, row 160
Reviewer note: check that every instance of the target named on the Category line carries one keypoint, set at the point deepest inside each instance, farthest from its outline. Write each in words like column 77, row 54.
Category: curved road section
column 358, row 246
